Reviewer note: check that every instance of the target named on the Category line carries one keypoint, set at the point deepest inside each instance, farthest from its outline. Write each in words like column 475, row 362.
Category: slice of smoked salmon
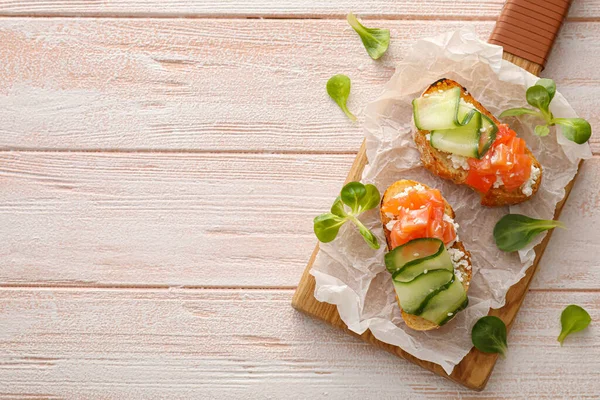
column 419, row 214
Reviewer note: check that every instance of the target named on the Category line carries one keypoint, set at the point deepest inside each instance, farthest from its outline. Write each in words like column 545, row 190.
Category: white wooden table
column 161, row 162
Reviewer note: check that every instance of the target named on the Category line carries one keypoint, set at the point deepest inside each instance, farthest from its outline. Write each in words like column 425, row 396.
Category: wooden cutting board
column 529, row 49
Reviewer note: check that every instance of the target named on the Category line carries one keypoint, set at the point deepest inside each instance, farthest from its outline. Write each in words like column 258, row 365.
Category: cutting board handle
column 528, row 28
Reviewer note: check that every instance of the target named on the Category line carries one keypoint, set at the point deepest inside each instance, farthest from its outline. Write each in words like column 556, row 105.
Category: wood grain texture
column 166, row 219
column 219, row 84
column 532, row 67
column 148, row 219
column 476, row 367
column 268, row 8
column 559, row 268
column 161, row 218
column 216, row 344
column 410, row 9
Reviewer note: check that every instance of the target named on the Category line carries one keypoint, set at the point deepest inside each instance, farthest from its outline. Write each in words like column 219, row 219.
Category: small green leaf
column 371, row 199
column 538, row 97
column 577, row 130
column 338, row 88
column 515, row 112
column 359, row 198
column 376, row 41
column 338, row 208
column 489, row 335
column 327, row 226
column 353, row 194
column 514, row 231
column 573, row 319
column 542, row 130
column 549, row 85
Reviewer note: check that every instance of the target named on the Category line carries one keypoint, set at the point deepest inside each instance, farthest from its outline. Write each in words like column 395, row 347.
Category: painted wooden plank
column 146, row 344
column 218, row 84
column 161, row 218
column 272, row 8
column 411, row 9
column 561, row 268
column 167, row 219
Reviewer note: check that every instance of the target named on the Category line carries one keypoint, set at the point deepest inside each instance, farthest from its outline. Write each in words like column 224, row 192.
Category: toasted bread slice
column 413, row 321
column 438, row 162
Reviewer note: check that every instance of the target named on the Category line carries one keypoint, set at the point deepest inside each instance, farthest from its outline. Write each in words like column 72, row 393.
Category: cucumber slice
column 416, row 294
column 415, row 250
column 457, row 126
column 465, row 112
column 416, row 268
column 487, row 135
column 440, row 260
column 463, row 141
column 437, row 111
column 442, row 307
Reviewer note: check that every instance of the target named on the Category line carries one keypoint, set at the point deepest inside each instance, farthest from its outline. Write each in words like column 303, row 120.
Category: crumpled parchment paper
column 352, row 276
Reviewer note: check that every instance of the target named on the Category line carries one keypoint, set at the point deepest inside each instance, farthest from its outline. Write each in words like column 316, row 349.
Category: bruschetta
column 462, row 141
column 431, row 269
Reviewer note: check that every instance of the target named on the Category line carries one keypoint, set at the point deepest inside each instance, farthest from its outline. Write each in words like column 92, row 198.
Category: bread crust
column 438, row 163
column 413, row 321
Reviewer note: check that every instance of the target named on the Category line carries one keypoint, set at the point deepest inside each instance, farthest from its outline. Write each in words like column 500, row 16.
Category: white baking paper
column 352, row 276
